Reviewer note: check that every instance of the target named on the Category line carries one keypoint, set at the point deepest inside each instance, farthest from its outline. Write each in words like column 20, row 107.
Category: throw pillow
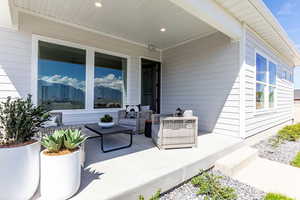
column 132, row 110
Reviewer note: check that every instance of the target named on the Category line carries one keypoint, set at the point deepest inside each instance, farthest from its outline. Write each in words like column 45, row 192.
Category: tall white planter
column 19, row 171
column 60, row 175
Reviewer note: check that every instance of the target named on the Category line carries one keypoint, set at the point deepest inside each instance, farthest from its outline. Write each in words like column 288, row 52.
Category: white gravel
column 284, row 153
column 188, row 192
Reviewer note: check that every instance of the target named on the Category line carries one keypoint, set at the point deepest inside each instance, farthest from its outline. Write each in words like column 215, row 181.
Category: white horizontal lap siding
column 255, row 122
column 202, row 75
column 15, row 64
column 133, row 81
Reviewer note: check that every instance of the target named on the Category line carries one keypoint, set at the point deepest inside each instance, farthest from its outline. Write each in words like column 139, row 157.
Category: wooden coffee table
column 102, row 132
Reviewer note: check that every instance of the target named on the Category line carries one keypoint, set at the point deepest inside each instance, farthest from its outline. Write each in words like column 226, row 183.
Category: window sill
column 86, row 111
column 265, row 111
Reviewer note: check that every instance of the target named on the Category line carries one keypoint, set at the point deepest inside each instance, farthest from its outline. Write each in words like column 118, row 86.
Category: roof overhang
column 227, row 16
column 259, row 18
column 6, row 16
column 213, row 14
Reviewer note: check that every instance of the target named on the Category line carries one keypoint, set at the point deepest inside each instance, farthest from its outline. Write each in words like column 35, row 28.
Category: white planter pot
column 106, row 124
column 60, row 175
column 19, row 171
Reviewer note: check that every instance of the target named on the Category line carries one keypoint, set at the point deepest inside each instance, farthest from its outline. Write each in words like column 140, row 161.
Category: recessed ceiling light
column 98, row 4
column 162, row 29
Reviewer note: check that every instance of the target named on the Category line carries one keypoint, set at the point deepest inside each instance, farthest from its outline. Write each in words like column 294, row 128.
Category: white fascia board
column 282, row 34
column 6, row 15
column 214, row 15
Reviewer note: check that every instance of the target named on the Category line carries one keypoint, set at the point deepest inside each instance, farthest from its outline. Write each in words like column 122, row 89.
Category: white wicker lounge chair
column 138, row 123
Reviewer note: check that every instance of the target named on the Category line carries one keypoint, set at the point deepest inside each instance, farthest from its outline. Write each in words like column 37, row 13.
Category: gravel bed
column 284, row 153
column 188, row 192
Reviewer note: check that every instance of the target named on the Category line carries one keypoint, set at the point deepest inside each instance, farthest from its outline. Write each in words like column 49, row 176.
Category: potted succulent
column 20, row 120
column 106, row 121
column 61, row 158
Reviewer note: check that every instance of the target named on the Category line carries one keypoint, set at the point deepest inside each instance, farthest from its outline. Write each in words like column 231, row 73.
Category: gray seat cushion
column 128, row 122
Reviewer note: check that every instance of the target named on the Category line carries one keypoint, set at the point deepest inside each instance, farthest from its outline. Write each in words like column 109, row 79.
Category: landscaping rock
column 284, row 153
column 188, row 192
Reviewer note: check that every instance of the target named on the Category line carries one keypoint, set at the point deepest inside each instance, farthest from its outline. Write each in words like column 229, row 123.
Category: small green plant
column 63, row 139
column 274, row 196
column 20, row 120
column 73, row 138
column 296, row 161
column 54, row 143
column 210, row 186
column 154, row 197
column 288, row 133
column 106, row 118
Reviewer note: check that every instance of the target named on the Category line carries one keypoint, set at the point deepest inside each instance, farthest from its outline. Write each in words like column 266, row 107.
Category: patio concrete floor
column 143, row 168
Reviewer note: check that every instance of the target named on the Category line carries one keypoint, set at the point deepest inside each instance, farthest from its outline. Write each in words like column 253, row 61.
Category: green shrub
column 63, row 139
column 296, row 161
column 211, row 188
column 274, row 196
column 288, row 133
column 154, row 197
column 20, row 120
column 106, row 118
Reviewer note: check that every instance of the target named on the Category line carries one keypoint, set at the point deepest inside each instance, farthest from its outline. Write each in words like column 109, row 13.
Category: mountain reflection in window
column 109, row 81
column 61, row 76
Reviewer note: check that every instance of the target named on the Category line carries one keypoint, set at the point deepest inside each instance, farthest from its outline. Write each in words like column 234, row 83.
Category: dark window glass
column 284, row 75
column 61, row 76
column 272, row 73
column 261, row 68
column 109, row 81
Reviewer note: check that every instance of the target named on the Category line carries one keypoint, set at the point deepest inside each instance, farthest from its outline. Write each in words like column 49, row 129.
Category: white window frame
column 266, row 84
column 89, row 73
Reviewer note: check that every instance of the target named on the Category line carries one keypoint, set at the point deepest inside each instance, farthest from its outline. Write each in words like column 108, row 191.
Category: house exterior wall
column 257, row 122
column 203, row 75
column 16, row 60
column 15, row 63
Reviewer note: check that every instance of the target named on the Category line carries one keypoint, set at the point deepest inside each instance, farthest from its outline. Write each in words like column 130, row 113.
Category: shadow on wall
column 15, row 64
column 203, row 76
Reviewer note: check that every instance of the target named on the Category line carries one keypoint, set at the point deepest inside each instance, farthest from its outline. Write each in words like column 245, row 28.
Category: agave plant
column 73, row 138
column 54, row 142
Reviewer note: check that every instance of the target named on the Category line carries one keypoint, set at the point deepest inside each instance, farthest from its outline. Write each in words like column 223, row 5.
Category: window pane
column 260, row 96
column 61, row 76
column 284, row 75
column 271, row 97
column 291, row 76
column 110, row 76
column 261, row 68
column 272, row 73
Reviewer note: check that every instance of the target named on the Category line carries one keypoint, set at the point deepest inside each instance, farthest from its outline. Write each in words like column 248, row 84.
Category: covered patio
column 198, row 54
column 143, row 169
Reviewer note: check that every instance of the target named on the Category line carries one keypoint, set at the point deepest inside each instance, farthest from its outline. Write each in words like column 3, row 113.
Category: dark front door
column 151, row 84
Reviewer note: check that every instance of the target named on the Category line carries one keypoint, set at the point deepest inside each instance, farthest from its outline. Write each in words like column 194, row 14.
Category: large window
column 61, row 76
column 265, row 82
column 109, row 81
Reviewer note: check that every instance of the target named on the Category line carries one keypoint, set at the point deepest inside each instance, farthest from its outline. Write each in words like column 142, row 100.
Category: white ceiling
column 136, row 20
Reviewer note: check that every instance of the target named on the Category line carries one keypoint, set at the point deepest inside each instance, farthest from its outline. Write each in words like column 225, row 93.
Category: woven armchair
column 138, row 123
column 174, row 132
